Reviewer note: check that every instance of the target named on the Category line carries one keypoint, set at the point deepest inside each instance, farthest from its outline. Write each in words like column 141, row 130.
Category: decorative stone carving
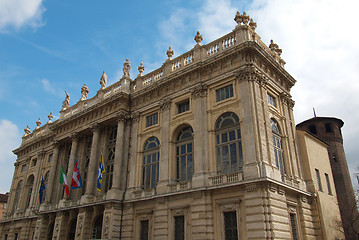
column 274, row 48
column 79, row 226
column 241, row 18
column 169, row 53
column 249, row 73
column 50, row 116
column 141, row 69
column 135, row 117
column 122, row 116
column 287, row 99
column 106, row 228
column 165, row 104
column 253, row 24
column 199, row 91
column 84, row 91
column 198, row 38
column 66, row 102
column 38, row 123
column 126, row 68
column 103, row 80
column 27, row 130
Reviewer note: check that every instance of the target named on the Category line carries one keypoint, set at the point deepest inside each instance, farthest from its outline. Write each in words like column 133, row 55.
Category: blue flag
column 101, row 170
column 42, row 189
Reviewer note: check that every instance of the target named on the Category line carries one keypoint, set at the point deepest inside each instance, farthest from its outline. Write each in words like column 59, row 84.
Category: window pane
column 189, row 148
column 234, row 162
column 225, row 159
column 183, row 168
column 189, row 167
column 183, row 149
column 153, row 177
column 144, row 230
column 232, row 135
column 224, row 137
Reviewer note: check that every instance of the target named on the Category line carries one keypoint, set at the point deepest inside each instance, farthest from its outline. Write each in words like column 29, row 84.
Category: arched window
column 228, row 144
column 29, row 186
column 184, row 154
column 97, row 227
column 277, row 144
column 72, row 230
column 110, row 158
column 151, row 155
column 17, row 196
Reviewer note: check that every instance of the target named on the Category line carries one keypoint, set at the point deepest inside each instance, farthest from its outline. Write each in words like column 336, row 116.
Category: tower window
column 328, row 128
column 328, row 184
column 318, row 180
column 313, row 129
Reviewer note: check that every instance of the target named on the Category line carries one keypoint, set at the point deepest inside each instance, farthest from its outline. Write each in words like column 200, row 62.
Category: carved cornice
column 41, row 154
column 199, row 91
column 165, row 104
column 122, row 116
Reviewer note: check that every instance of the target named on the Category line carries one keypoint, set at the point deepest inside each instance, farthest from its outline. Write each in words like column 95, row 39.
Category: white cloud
column 319, row 43
column 18, row 13
column 10, row 139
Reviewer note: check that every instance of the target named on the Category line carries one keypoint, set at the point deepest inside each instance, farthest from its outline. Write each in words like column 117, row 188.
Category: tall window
column 224, row 93
column 278, row 147
column 183, row 106
column 228, row 144
column 72, row 230
column 184, row 154
column 97, row 227
column 17, row 196
column 179, row 228
column 293, row 225
column 151, row 155
column 318, row 180
column 230, row 225
column 87, row 162
column 144, row 230
column 29, row 186
column 50, row 230
column 328, row 184
column 110, row 158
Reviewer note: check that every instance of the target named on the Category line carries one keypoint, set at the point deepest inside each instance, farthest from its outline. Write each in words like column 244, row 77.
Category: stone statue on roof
column 27, row 130
column 50, row 117
column 84, row 91
column 66, row 102
column 126, row 68
column 103, row 80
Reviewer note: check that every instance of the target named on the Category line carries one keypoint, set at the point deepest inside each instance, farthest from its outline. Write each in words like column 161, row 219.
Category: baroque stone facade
column 202, row 148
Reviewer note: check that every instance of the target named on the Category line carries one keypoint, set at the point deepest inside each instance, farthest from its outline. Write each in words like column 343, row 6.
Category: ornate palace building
column 204, row 147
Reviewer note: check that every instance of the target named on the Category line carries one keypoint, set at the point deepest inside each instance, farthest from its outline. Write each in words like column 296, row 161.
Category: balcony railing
column 225, row 178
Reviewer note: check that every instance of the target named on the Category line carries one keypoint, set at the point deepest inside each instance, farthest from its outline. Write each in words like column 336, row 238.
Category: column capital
column 165, row 104
column 95, row 127
column 56, row 144
column 199, row 91
column 135, row 116
column 74, row 136
column 250, row 73
column 122, row 116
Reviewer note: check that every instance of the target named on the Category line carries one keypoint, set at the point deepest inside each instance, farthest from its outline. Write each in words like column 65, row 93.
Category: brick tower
column 328, row 129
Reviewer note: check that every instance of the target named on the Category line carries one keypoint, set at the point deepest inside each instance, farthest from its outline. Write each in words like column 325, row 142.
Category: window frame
column 152, row 120
column 109, row 164
column 329, row 188
column 148, row 154
column 272, row 100
column 278, row 147
column 185, row 103
column 189, row 156
column 221, row 144
column 319, row 181
column 224, row 93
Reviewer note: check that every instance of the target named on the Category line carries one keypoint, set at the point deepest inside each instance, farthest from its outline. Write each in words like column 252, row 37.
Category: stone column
column 165, row 146
column 117, row 168
column 91, row 173
column 200, row 162
column 133, row 154
column 71, row 165
column 246, row 78
column 50, row 182
column 61, row 226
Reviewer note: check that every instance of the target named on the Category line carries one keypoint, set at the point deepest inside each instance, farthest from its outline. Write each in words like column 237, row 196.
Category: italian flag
column 63, row 180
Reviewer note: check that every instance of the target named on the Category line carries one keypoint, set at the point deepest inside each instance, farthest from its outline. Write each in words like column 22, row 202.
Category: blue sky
column 50, row 46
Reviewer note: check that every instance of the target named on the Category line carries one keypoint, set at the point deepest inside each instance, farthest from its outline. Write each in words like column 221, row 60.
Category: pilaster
column 50, row 183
